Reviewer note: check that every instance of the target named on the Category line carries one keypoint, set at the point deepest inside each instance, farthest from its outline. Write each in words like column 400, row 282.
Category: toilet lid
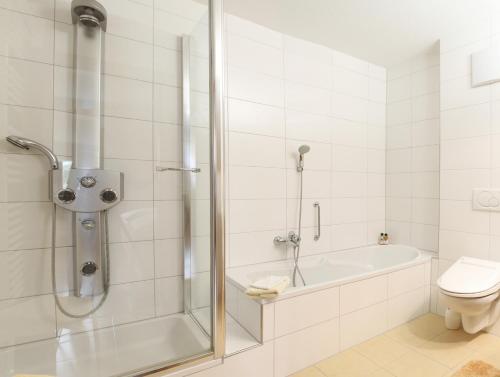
column 470, row 276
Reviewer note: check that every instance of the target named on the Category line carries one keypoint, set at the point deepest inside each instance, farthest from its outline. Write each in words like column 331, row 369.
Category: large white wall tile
column 254, row 118
column 257, row 215
column 307, row 98
column 306, row 310
column 26, row 37
column 256, row 150
column 255, row 87
column 305, row 347
column 363, row 324
column 127, row 98
column 363, row 293
column 408, row 306
column 258, row 33
column 27, row 319
column 131, row 261
column 255, row 247
column 406, row 280
column 470, row 153
column 41, row 8
column 304, row 69
column 253, row 56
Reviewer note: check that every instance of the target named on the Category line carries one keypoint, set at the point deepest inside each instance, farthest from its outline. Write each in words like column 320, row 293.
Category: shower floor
column 117, row 350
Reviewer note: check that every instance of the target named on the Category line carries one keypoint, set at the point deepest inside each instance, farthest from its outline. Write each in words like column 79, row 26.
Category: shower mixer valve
column 87, row 190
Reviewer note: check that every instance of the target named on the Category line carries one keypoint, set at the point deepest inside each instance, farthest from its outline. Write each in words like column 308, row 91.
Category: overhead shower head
column 28, row 144
column 303, row 149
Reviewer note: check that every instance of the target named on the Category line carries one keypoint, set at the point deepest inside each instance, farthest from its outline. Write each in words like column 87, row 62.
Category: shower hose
column 296, row 247
column 53, row 270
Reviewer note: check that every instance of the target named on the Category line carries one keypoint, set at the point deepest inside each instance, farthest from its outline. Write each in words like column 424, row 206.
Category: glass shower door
column 123, row 98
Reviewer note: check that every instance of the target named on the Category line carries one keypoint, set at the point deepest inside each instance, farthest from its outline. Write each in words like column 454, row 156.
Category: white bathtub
column 332, row 269
column 349, row 297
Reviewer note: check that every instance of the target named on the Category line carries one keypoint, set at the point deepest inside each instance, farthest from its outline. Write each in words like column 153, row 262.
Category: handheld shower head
column 303, row 149
column 28, row 144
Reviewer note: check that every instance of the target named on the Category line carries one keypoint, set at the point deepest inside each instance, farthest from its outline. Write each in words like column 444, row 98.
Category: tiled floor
column 421, row 348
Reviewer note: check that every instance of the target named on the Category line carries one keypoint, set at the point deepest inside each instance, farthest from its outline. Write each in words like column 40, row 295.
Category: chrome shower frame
column 217, row 199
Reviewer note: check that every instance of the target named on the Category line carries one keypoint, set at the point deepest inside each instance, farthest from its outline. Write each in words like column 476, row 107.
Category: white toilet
column 470, row 290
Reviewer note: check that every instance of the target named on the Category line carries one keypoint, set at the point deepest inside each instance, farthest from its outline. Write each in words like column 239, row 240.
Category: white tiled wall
column 470, row 141
column 141, row 128
column 284, row 92
column 413, row 152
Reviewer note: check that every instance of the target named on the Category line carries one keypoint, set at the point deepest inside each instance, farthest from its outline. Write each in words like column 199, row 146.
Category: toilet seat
column 471, row 278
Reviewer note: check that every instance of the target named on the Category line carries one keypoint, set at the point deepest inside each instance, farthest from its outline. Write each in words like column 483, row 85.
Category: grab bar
column 318, row 234
column 193, row 170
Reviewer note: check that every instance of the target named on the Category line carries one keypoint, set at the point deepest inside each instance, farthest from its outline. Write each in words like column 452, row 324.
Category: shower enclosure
column 114, row 260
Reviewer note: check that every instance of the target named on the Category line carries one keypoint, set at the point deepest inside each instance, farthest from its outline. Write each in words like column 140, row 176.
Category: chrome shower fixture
column 303, row 149
column 89, row 12
column 28, row 144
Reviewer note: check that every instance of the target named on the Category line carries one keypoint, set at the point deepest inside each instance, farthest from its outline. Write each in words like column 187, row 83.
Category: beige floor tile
column 309, row 372
column 485, row 342
column 382, row 350
column 347, row 363
column 490, row 356
column 419, row 330
column 414, row 364
column 451, row 348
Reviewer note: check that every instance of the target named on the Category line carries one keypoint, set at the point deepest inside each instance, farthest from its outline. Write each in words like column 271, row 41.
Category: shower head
column 303, row 149
column 17, row 141
column 28, row 144
column 89, row 13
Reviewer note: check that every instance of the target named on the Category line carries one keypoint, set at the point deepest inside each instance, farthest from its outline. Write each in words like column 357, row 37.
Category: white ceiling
column 384, row 32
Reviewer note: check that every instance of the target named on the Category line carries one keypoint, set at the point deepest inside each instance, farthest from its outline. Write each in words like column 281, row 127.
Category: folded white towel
column 269, row 287
column 269, row 282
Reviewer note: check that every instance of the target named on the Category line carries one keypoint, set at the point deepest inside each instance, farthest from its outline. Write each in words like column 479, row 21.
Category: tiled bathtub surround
column 141, row 128
column 284, row 92
column 470, row 136
column 303, row 330
column 413, row 152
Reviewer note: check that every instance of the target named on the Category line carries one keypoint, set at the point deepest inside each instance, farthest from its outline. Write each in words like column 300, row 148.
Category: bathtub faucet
column 293, row 239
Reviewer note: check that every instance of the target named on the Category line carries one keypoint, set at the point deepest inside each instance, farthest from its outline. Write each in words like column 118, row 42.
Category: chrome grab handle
column 318, row 234
column 192, row 170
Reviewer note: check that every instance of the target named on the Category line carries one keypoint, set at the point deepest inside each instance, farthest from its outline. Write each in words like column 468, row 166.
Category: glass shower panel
column 105, row 188
column 197, row 141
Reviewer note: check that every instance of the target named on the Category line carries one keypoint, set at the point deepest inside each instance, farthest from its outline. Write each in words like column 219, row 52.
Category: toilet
column 470, row 290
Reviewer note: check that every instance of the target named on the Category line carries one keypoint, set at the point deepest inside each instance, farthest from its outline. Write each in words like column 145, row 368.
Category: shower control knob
column 88, row 182
column 108, row 195
column 88, row 224
column 66, row 195
column 88, row 268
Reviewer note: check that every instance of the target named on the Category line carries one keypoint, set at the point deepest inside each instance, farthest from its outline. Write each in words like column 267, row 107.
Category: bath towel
column 269, row 287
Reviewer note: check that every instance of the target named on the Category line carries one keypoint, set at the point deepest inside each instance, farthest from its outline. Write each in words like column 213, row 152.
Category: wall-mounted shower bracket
column 87, row 190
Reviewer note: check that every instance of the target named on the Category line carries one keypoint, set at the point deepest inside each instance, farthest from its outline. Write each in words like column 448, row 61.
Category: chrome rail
column 318, row 224
column 217, row 208
column 189, row 170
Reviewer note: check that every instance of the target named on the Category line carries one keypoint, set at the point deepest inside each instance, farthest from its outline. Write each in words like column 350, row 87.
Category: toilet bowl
column 470, row 289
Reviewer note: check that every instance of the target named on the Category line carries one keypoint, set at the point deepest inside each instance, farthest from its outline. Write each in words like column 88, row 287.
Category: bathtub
column 349, row 297
column 332, row 269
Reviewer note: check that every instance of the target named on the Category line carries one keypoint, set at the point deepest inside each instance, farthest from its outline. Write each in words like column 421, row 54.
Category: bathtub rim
column 423, row 257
